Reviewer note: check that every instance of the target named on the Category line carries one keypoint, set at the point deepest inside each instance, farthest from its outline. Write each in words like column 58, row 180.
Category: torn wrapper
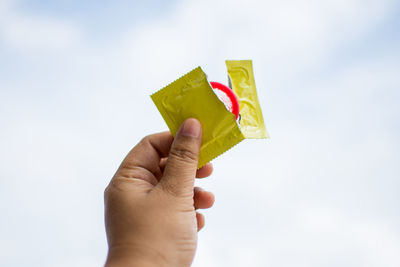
column 192, row 96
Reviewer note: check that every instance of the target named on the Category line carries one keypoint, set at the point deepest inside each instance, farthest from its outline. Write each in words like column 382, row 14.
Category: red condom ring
column 231, row 102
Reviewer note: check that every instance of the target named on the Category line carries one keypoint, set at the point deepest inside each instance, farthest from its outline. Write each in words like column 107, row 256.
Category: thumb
column 180, row 171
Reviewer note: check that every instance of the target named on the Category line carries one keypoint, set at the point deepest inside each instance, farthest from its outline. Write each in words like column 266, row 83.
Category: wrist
column 129, row 256
column 128, row 262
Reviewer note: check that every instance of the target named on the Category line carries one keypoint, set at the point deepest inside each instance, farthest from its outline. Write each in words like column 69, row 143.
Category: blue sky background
column 75, row 80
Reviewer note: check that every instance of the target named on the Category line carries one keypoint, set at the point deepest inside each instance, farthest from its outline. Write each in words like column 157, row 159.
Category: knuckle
column 183, row 154
column 145, row 139
column 109, row 193
column 171, row 189
column 116, row 184
column 117, row 188
column 177, row 192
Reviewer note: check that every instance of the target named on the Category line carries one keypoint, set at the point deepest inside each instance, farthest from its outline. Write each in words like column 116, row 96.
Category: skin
column 151, row 202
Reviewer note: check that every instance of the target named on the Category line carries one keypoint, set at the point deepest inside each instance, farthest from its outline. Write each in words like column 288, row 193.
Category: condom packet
column 191, row 96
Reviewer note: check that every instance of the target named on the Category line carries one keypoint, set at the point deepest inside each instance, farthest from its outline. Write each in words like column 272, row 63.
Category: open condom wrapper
column 191, row 96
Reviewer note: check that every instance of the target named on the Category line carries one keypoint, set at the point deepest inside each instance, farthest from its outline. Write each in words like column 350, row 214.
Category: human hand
column 151, row 202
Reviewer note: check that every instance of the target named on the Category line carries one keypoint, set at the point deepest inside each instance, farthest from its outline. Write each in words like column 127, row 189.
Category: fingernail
column 191, row 128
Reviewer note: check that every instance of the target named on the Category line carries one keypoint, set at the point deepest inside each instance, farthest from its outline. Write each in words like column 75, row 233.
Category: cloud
column 322, row 191
column 281, row 35
column 24, row 31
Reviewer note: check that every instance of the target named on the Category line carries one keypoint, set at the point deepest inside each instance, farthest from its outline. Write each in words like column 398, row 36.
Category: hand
column 151, row 202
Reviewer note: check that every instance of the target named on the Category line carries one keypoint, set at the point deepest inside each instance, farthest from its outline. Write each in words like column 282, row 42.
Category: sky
column 75, row 81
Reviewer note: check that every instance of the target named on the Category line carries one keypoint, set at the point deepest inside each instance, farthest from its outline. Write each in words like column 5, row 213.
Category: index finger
column 146, row 155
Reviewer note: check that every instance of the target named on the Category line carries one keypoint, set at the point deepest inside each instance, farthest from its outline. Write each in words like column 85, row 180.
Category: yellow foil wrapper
column 191, row 96
column 241, row 80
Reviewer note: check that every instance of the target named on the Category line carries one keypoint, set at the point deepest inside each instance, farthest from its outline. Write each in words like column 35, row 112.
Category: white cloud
column 280, row 34
column 49, row 33
column 31, row 32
